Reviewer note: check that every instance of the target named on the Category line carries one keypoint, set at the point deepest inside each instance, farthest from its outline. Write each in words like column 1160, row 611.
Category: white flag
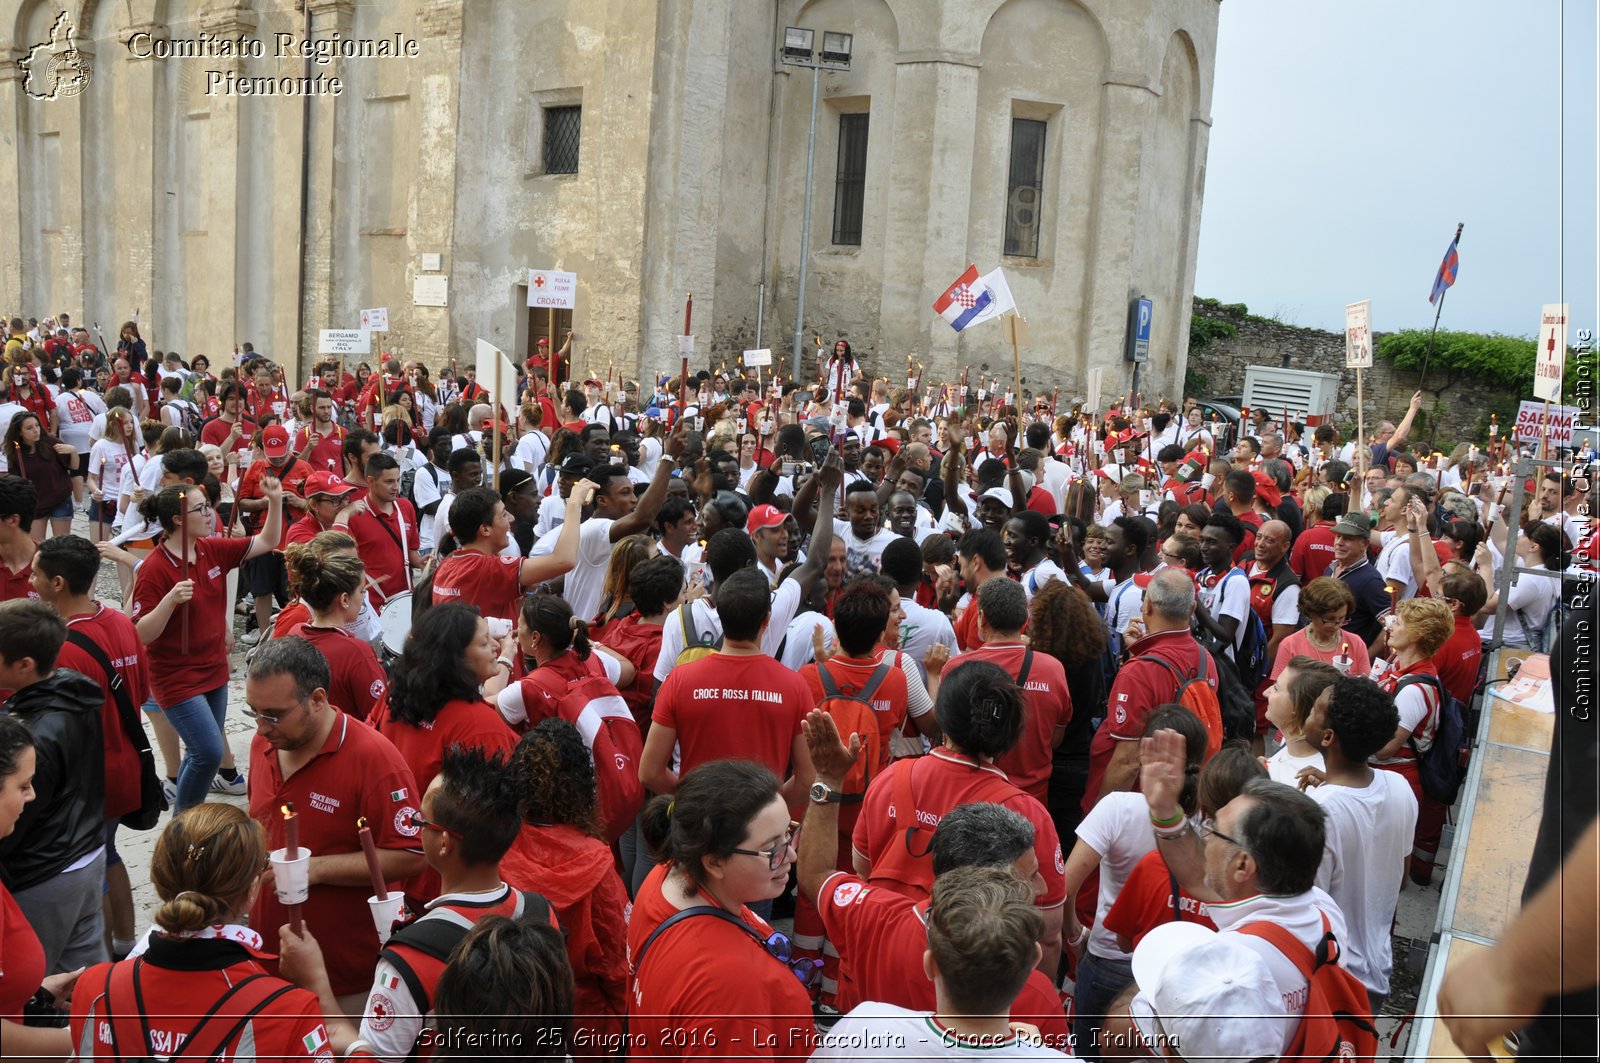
column 1001, row 301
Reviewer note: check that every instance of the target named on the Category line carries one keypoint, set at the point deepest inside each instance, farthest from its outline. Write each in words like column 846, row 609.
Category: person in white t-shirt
column 1223, row 600
column 616, row 513
column 864, row 537
column 922, row 627
column 1255, row 862
column 1025, row 536
column 1371, row 816
column 983, row 932
column 1289, row 700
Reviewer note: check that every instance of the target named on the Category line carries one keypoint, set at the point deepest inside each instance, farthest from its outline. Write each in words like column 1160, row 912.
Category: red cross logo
column 538, row 280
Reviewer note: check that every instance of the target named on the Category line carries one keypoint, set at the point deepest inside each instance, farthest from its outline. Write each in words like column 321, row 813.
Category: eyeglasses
column 1208, row 827
column 204, row 507
column 271, row 719
column 417, row 822
column 776, row 854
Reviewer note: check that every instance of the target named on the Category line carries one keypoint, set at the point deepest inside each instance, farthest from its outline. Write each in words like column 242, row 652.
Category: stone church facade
column 191, row 159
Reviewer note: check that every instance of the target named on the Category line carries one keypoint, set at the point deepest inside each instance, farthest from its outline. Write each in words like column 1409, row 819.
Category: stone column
column 925, row 238
column 11, row 100
column 134, row 197
column 214, row 323
column 431, row 202
column 1130, row 97
column 327, row 18
column 1199, row 141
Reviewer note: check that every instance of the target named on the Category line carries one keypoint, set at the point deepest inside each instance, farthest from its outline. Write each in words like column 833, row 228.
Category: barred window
column 1025, row 188
column 562, row 128
column 850, row 179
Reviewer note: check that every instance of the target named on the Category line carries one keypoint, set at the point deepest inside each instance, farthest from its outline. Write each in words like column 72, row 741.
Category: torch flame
column 361, row 822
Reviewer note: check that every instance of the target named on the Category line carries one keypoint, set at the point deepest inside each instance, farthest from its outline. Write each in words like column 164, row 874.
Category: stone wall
column 1455, row 408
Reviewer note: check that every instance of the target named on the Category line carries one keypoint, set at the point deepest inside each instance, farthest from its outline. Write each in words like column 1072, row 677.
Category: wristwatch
column 823, row 794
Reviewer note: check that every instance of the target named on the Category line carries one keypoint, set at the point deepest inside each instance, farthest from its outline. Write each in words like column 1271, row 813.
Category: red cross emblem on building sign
column 965, row 298
column 538, row 280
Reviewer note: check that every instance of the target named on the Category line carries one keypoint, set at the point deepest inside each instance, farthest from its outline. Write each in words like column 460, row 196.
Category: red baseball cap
column 327, row 483
column 275, row 440
column 1267, row 488
column 762, row 518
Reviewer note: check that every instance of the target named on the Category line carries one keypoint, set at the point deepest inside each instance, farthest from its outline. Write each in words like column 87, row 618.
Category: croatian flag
column 972, row 299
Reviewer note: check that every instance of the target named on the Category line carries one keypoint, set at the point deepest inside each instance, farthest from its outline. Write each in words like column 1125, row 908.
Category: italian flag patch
column 315, row 1040
column 390, row 981
column 398, row 795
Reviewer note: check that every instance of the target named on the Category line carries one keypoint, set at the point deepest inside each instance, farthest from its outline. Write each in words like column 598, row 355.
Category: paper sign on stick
column 496, row 372
column 344, row 341
column 1358, row 335
column 376, row 319
column 763, row 356
column 1532, row 426
column 1551, row 357
column 549, row 288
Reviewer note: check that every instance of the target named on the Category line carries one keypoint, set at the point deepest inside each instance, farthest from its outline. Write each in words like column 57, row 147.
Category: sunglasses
column 776, row 854
column 780, row 948
column 417, row 822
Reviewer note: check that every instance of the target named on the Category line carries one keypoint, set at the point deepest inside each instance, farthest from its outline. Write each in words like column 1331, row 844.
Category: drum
column 395, row 619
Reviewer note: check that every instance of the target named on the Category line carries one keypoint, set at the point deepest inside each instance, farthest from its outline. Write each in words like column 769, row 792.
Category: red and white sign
column 376, row 319
column 558, row 291
column 1532, row 427
column 1552, row 353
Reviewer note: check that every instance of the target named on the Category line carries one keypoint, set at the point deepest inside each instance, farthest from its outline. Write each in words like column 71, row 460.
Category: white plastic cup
column 499, row 627
column 1379, row 668
column 1343, row 664
column 291, row 879
column 385, row 914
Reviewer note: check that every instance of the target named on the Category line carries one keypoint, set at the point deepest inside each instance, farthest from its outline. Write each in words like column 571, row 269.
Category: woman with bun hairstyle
column 183, row 614
column 556, row 648
column 700, row 980
column 333, row 587
column 297, row 612
column 1113, row 837
column 198, row 980
column 436, row 700
column 980, row 710
column 562, row 854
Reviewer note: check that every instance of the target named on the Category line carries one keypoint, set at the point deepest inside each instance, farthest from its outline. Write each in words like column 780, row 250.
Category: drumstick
column 183, row 543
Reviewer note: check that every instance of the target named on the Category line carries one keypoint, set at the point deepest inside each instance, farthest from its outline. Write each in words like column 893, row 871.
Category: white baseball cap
column 1205, row 995
column 1001, row 494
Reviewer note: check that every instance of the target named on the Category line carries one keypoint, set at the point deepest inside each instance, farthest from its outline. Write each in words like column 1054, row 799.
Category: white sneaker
column 169, row 790
column 236, row 788
column 250, row 638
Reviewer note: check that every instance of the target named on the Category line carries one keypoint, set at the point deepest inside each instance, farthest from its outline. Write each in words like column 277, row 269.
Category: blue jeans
column 1099, row 982
column 198, row 721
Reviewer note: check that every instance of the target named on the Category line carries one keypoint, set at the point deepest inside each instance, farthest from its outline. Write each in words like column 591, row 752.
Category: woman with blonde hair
column 111, row 454
column 199, row 981
column 628, row 552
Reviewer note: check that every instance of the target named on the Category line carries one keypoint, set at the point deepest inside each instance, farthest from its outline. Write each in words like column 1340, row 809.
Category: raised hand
column 1162, row 764
column 829, row 755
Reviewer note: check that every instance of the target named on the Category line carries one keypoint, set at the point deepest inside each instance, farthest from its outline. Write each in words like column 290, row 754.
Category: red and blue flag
column 1447, row 270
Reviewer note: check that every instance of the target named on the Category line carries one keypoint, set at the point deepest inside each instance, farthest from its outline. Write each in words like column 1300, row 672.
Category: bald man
column 1274, row 588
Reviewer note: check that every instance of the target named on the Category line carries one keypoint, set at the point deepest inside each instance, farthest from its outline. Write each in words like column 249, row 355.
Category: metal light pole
column 835, row 55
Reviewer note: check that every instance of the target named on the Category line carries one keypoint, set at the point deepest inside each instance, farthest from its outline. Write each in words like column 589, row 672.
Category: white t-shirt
column 1124, row 601
column 1369, row 833
column 583, row 586
column 1302, row 916
column 427, row 487
column 797, row 649
column 1394, row 563
column 922, row 628
column 107, row 460
column 1532, row 597
column 1036, row 577
column 1281, row 767
column 1118, row 828
column 1229, row 596
column 874, row 1031
column 704, row 621
column 862, row 555
column 75, row 413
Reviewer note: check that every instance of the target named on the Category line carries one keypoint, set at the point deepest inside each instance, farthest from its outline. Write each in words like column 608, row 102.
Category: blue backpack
column 1441, row 769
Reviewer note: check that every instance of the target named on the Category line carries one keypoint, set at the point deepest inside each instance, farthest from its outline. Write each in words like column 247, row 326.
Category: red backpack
column 1196, row 694
column 1337, row 1024
column 593, row 705
column 852, row 712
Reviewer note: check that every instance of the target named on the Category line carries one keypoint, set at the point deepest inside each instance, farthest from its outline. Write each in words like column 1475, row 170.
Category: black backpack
column 1441, row 769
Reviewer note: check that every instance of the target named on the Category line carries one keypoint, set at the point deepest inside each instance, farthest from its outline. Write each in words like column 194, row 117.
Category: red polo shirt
column 292, row 476
column 1458, row 660
column 491, row 582
column 881, row 935
column 18, row 584
column 117, row 638
column 357, row 681
column 215, row 432
column 1141, row 686
column 328, row 454
column 179, row 671
column 1049, row 706
column 357, row 774
column 378, row 542
column 303, row 530
column 1313, row 552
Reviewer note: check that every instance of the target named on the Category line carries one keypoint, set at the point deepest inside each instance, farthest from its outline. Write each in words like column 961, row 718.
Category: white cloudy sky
column 1348, row 140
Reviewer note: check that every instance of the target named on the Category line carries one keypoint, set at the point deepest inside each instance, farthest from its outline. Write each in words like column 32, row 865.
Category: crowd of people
column 1047, row 733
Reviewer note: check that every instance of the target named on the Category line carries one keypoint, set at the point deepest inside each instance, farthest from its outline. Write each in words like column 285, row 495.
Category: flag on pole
column 972, row 299
column 1447, row 270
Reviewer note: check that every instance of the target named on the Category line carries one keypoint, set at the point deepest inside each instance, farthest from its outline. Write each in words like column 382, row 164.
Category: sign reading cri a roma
column 558, row 291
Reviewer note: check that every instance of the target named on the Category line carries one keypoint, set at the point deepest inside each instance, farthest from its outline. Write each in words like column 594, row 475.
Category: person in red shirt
column 335, row 775
column 562, row 853
column 434, row 701
column 332, row 585
column 881, row 935
column 481, row 573
column 1313, row 547
column 981, row 712
column 230, row 429
column 1142, row 685
column 182, row 611
column 1002, row 608
column 734, row 703
column 64, row 571
column 267, row 398
column 981, row 556
column 717, row 981
column 18, row 500
column 326, row 494
column 205, row 981
column 266, row 577
column 319, row 444
column 1459, row 658
column 385, row 530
